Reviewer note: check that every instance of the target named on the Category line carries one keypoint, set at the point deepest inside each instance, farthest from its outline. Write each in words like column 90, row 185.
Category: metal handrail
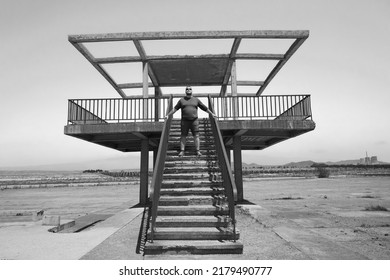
column 227, row 174
column 138, row 109
column 159, row 169
column 111, row 110
column 267, row 107
column 299, row 111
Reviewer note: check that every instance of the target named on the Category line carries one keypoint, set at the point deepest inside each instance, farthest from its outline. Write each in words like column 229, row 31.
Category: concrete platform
column 263, row 234
column 32, row 241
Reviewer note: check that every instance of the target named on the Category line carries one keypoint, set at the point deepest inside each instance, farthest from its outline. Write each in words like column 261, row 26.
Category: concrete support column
column 238, row 167
column 144, row 174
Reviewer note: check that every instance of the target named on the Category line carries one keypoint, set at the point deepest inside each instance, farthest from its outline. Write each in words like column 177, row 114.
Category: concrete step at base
column 195, row 247
column 192, row 221
column 193, row 210
column 194, row 233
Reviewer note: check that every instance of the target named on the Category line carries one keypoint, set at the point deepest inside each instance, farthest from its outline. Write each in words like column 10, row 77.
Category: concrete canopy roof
column 195, row 70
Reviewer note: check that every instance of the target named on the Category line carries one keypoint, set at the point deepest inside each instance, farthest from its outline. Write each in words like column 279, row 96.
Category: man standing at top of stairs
column 189, row 119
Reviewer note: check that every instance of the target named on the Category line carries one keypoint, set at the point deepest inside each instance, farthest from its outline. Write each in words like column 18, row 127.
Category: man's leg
column 197, row 144
column 183, row 140
column 184, row 132
column 195, row 133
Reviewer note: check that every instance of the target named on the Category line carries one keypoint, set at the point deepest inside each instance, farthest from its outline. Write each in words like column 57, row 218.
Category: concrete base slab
column 314, row 245
column 193, row 247
column 32, row 241
column 64, row 225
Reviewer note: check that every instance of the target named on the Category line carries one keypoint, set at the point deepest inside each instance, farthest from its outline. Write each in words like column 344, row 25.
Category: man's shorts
column 186, row 125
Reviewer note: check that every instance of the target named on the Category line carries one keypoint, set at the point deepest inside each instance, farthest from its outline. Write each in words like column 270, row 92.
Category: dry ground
column 281, row 218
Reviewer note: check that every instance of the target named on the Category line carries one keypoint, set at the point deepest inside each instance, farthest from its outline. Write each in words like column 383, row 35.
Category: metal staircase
column 192, row 212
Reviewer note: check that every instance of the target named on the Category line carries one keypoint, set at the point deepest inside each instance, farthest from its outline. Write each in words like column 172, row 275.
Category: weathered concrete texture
column 114, row 128
column 32, row 241
column 267, row 125
column 51, row 220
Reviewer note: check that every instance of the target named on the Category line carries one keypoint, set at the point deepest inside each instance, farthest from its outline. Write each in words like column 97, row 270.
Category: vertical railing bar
column 250, row 106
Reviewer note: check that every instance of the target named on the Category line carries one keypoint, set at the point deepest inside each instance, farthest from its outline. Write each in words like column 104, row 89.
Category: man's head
column 188, row 91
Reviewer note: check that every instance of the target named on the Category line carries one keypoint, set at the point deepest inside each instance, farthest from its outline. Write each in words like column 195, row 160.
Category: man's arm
column 208, row 111
column 174, row 110
column 204, row 108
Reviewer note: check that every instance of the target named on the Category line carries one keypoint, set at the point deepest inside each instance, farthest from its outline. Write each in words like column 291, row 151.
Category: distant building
column 368, row 160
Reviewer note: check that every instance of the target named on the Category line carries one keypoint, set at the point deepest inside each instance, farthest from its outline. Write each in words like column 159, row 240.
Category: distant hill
column 131, row 162
column 115, row 163
column 309, row 163
column 306, row 163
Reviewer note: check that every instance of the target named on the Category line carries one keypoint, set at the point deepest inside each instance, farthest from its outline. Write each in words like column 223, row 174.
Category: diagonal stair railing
column 159, row 168
column 227, row 174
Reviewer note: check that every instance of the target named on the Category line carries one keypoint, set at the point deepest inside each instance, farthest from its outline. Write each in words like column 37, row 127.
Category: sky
column 343, row 65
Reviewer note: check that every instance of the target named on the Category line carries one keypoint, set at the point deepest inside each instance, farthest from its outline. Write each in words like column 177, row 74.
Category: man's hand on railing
column 211, row 113
column 214, row 115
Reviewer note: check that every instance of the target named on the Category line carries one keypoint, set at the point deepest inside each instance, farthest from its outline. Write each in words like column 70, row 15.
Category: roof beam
column 260, row 56
column 243, row 56
column 228, row 72
column 83, row 50
column 133, row 85
column 268, row 34
column 143, row 56
column 239, row 83
column 289, row 53
column 248, row 83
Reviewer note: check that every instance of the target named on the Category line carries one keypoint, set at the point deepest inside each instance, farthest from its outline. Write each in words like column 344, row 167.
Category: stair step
column 191, row 191
column 186, row 200
column 187, row 176
column 183, row 161
column 174, row 149
column 194, row 247
column 194, row 210
column 191, row 157
column 194, row 233
column 190, row 184
column 178, row 169
column 192, row 221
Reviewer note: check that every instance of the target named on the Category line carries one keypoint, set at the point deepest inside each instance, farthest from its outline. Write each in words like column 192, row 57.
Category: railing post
column 157, row 105
column 145, row 89
column 234, row 90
